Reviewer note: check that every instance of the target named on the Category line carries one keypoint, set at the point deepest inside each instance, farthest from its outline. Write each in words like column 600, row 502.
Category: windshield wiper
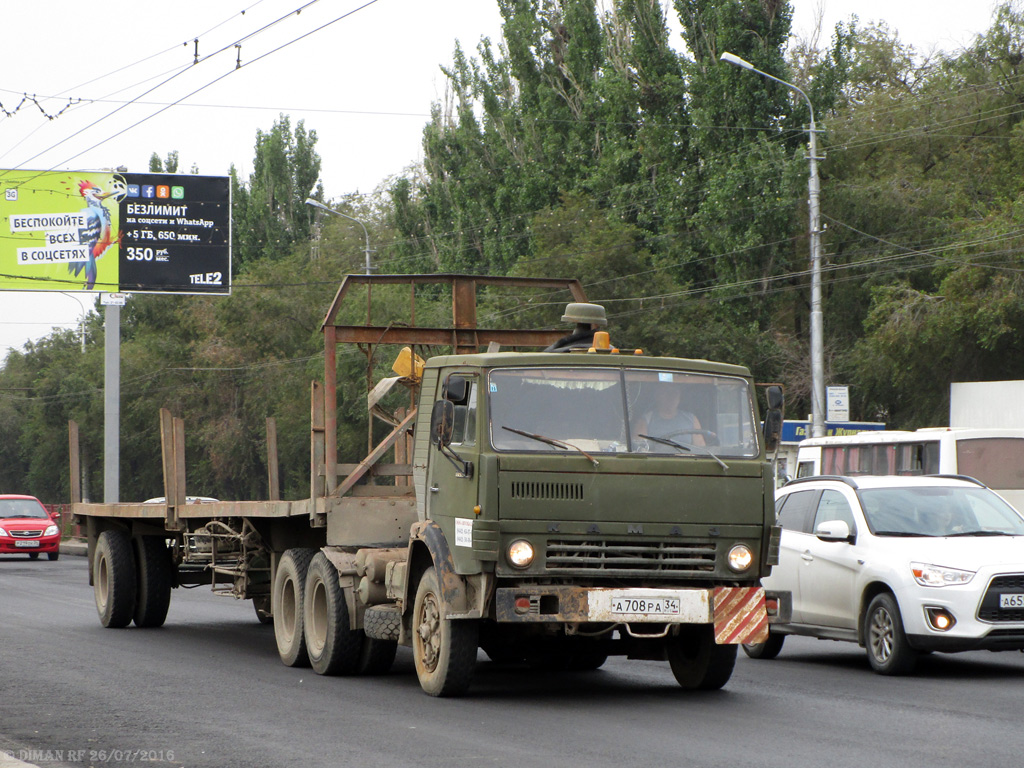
column 906, row 534
column 552, row 441
column 687, row 448
column 980, row 533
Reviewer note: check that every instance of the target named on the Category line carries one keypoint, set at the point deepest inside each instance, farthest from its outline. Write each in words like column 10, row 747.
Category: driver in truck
column 667, row 419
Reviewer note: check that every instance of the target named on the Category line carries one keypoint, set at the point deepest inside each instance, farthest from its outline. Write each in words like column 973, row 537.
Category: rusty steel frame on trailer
column 463, row 337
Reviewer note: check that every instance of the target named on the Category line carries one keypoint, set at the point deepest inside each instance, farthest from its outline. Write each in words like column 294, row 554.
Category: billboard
column 115, row 232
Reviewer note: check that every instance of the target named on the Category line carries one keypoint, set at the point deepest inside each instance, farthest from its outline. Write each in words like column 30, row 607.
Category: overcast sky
column 364, row 81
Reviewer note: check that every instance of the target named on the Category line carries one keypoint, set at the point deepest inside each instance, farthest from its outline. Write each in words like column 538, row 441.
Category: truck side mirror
column 455, row 390
column 442, row 422
column 773, row 419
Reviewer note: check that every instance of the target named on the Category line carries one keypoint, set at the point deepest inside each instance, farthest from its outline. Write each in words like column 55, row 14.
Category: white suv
column 900, row 565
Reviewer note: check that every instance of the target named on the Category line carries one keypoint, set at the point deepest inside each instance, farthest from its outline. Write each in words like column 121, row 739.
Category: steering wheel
column 707, row 434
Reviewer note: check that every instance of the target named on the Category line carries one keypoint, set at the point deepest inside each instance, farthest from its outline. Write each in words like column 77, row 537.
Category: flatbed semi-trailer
column 523, row 502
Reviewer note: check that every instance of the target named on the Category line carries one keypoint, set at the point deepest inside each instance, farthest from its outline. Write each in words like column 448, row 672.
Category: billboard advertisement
column 115, row 232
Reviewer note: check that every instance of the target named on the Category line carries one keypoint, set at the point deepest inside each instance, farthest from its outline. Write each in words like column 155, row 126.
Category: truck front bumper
column 738, row 613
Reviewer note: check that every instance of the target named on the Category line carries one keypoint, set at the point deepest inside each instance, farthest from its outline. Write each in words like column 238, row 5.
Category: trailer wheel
column 286, row 604
column 333, row 648
column 114, row 580
column 154, row 576
column 444, row 650
column 697, row 662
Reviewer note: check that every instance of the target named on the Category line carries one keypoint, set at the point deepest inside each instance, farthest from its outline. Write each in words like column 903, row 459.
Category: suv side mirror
column 834, row 530
column 773, row 419
column 442, row 422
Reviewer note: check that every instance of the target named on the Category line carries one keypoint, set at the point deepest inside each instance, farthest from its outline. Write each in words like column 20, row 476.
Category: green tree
column 167, row 165
column 268, row 211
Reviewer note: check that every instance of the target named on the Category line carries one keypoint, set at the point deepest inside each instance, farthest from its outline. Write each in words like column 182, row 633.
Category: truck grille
column 26, row 534
column 628, row 557
column 990, row 610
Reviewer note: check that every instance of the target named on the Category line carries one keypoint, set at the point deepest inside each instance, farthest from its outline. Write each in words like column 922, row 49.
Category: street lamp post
column 814, row 190
column 321, row 206
column 82, row 321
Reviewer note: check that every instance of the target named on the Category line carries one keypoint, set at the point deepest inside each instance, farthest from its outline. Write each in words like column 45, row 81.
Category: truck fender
column 428, row 534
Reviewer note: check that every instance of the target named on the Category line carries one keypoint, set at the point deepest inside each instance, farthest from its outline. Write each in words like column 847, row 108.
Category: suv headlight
column 53, row 530
column 740, row 558
column 939, row 576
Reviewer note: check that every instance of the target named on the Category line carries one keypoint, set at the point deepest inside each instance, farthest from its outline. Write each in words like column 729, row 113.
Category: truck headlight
column 520, row 553
column 740, row 558
column 939, row 576
column 53, row 530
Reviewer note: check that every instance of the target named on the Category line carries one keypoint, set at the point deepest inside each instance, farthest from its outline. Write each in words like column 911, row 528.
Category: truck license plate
column 668, row 606
column 1015, row 600
column 26, row 544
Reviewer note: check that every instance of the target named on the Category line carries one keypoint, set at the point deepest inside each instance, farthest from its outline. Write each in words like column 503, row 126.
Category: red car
column 26, row 527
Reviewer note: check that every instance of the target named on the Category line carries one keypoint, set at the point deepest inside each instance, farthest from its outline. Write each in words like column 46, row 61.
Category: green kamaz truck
column 550, row 508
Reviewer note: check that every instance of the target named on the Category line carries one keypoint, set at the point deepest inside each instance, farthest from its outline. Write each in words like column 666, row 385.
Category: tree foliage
column 586, row 142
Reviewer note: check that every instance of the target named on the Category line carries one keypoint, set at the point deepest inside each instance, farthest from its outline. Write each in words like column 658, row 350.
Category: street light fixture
column 814, row 189
column 321, row 206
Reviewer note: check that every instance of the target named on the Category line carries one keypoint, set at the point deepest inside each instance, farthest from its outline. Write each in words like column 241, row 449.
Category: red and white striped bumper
column 740, row 615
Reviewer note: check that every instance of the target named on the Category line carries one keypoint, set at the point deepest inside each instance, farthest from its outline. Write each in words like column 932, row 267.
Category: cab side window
column 834, row 506
column 464, row 428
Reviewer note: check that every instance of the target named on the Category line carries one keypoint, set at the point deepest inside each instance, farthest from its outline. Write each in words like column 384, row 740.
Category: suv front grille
column 990, row 610
column 628, row 557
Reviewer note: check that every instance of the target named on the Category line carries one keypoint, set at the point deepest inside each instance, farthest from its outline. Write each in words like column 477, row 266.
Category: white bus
column 993, row 456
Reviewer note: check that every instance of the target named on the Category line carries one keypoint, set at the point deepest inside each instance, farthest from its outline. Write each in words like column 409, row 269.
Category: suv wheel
column 888, row 650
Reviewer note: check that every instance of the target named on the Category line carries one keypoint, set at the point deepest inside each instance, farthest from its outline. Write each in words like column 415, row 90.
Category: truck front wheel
column 697, row 662
column 114, row 580
column 287, row 606
column 444, row 650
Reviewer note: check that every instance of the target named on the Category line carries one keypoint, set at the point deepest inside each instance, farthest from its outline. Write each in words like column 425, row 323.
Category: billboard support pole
column 111, row 403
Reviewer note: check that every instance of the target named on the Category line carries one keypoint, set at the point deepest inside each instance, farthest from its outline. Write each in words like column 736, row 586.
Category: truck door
column 451, row 489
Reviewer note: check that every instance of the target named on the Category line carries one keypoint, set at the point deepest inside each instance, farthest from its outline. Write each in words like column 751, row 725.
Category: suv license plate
column 30, row 544
column 1015, row 600
column 667, row 606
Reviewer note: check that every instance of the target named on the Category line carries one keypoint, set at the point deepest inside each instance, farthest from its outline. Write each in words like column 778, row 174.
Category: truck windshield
column 620, row 411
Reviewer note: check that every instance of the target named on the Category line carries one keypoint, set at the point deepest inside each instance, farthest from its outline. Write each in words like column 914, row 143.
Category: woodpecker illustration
column 96, row 235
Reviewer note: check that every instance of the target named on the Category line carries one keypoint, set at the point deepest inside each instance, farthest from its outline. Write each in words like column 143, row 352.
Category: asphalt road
column 207, row 689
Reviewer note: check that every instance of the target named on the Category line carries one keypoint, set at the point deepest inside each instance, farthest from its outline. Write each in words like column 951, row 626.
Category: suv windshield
column 621, row 411
column 939, row 511
column 22, row 508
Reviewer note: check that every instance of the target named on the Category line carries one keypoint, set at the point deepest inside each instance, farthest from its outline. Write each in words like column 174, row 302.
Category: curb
column 74, row 547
